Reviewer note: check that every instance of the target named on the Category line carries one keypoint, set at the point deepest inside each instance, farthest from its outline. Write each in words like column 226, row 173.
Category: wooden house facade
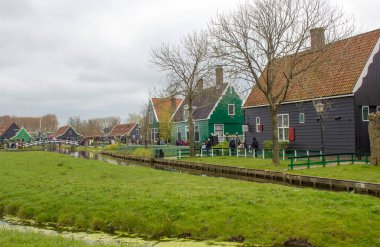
column 346, row 80
column 160, row 110
column 8, row 130
column 67, row 133
column 125, row 132
column 216, row 111
column 22, row 136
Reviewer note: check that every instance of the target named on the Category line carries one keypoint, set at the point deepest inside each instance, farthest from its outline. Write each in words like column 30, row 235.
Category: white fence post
column 283, row 154
column 237, row 152
column 201, row 152
column 263, row 153
column 212, row 152
column 245, row 152
column 307, row 153
column 179, row 153
column 222, row 151
column 295, row 154
column 230, row 152
column 320, row 153
column 254, row 153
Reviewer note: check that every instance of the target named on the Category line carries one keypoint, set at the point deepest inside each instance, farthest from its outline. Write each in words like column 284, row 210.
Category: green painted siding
column 203, row 130
column 154, row 124
column 22, row 135
column 232, row 123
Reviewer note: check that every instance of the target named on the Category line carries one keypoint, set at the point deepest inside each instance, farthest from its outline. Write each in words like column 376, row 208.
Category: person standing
column 208, row 147
column 255, row 145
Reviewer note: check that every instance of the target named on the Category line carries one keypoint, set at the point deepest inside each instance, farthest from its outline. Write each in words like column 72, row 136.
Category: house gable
column 8, row 130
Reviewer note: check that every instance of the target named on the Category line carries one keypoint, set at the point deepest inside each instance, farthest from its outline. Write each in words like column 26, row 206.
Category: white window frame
column 301, row 120
column 150, row 117
column 220, row 138
column 365, row 107
column 70, row 132
column 283, row 127
column 185, row 114
column 378, row 108
column 258, row 123
column 231, row 114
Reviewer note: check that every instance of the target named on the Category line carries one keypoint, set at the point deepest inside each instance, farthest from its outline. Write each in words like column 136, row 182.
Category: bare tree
column 184, row 64
column 134, row 118
column 265, row 41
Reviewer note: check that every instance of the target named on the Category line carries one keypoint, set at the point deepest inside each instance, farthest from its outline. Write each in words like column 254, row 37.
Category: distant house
column 347, row 77
column 90, row 136
column 67, row 133
column 125, row 132
column 160, row 110
column 8, row 130
column 22, row 135
column 216, row 111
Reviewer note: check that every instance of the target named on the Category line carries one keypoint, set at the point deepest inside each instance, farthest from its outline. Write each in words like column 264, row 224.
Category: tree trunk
column 275, row 142
column 191, row 128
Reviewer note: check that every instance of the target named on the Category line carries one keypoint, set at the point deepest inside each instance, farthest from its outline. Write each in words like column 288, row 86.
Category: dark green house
column 22, row 135
column 160, row 110
column 216, row 111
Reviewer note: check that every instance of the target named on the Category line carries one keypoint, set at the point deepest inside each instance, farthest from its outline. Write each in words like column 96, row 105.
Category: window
column 187, row 132
column 283, row 127
column 196, row 133
column 258, row 121
column 378, row 108
column 150, row 117
column 365, row 113
column 231, row 109
column 70, row 132
column 179, row 135
column 302, row 117
column 219, row 131
column 154, row 134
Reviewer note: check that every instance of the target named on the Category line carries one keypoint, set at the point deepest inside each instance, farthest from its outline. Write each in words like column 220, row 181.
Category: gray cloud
column 89, row 58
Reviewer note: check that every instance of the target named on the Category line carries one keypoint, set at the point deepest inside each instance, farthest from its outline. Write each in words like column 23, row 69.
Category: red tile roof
column 4, row 127
column 336, row 72
column 122, row 129
column 162, row 104
column 60, row 131
column 93, row 133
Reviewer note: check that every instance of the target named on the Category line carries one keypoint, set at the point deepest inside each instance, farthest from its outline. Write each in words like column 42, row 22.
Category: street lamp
column 320, row 109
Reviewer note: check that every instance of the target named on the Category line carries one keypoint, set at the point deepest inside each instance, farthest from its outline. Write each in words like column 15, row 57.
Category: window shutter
column 292, row 134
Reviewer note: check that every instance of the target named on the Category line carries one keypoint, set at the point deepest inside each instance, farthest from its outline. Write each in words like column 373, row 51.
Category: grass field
column 357, row 172
column 13, row 238
column 50, row 187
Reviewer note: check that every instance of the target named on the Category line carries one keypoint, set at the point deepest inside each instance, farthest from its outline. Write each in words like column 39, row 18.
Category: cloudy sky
column 89, row 58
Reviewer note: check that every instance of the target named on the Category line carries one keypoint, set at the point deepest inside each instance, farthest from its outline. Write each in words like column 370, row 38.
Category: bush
column 269, row 145
column 142, row 152
column 224, row 144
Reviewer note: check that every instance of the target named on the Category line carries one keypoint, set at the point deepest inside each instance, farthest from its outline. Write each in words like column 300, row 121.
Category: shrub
column 224, row 144
column 142, row 152
column 269, row 145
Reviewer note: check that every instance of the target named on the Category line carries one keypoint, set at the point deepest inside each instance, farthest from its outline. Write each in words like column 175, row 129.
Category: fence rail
column 40, row 143
column 323, row 160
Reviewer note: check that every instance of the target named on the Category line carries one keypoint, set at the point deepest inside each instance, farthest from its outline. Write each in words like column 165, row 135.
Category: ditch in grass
column 87, row 194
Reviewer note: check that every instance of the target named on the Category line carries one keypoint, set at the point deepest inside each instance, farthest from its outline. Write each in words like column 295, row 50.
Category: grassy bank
column 13, row 238
column 357, row 172
column 50, row 187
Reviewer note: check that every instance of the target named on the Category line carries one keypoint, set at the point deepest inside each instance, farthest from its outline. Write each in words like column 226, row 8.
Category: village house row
column 347, row 79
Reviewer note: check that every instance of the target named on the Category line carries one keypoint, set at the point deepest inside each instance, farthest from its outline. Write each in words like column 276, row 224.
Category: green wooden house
column 22, row 135
column 160, row 110
column 216, row 111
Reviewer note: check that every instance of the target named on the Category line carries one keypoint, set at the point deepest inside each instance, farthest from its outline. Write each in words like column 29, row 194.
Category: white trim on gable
column 364, row 73
column 217, row 103
column 154, row 110
column 182, row 100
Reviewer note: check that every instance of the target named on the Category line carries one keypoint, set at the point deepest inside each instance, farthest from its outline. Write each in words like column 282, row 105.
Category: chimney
column 219, row 75
column 200, row 84
column 317, row 38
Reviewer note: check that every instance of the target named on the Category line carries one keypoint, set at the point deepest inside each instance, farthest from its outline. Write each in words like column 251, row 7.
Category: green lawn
column 13, row 238
column 357, row 172
column 50, row 187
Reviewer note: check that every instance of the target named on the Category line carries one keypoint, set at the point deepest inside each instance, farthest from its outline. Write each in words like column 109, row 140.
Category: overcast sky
column 89, row 58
